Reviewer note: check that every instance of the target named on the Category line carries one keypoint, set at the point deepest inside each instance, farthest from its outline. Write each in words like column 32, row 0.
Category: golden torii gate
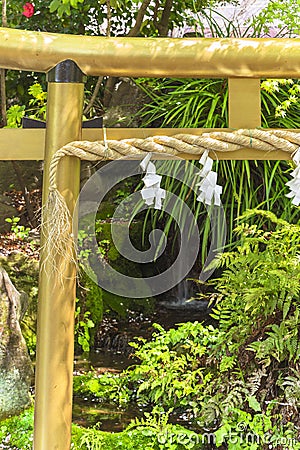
column 66, row 58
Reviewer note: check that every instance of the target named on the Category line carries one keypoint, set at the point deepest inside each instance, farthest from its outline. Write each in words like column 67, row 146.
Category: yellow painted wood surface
column 57, row 285
column 244, row 103
column 152, row 57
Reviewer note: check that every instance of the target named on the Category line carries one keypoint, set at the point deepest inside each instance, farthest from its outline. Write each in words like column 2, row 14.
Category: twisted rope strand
column 59, row 240
column 216, row 141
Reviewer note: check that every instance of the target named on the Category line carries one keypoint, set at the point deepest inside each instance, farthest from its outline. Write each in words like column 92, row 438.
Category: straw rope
column 59, row 246
column 216, row 141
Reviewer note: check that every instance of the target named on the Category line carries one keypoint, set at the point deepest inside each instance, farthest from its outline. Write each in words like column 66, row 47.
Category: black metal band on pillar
column 66, row 72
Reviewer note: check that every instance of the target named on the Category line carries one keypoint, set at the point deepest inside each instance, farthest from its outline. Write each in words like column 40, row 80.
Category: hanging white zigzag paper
column 294, row 183
column 209, row 191
column 152, row 193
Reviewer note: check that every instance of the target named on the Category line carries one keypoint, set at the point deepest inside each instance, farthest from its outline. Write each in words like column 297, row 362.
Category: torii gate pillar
column 55, row 334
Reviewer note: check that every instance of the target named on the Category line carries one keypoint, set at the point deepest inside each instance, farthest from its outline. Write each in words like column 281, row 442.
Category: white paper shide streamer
column 151, row 193
column 209, row 191
column 294, row 183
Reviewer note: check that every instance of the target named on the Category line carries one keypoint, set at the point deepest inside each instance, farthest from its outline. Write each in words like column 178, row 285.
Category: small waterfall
column 182, row 297
column 183, row 291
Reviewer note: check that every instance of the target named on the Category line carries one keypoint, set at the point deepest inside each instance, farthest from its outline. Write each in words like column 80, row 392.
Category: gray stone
column 15, row 365
column 127, row 99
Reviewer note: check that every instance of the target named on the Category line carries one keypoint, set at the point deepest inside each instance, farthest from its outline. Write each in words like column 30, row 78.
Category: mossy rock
column 127, row 99
column 89, row 299
column 109, row 251
column 15, row 365
column 90, row 296
column 106, row 210
column 24, row 272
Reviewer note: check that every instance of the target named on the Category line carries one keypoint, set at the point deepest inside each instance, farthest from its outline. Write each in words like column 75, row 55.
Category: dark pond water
column 107, row 417
column 87, row 412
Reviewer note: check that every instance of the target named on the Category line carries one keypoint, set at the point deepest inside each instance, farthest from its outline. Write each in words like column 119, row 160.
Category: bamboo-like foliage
column 246, row 184
column 203, row 103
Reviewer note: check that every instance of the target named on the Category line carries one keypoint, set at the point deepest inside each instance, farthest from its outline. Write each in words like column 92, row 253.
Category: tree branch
column 139, row 19
column 26, row 194
column 155, row 13
column 2, row 72
column 108, row 90
column 93, row 97
column 4, row 13
column 163, row 26
column 3, row 97
column 108, row 29
column 111, row 81
column 100, row 79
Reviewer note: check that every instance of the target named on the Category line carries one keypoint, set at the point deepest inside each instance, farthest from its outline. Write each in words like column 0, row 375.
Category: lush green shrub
column 17, row 432
column 107, row 387
column 245, row 369
column 152, row 433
